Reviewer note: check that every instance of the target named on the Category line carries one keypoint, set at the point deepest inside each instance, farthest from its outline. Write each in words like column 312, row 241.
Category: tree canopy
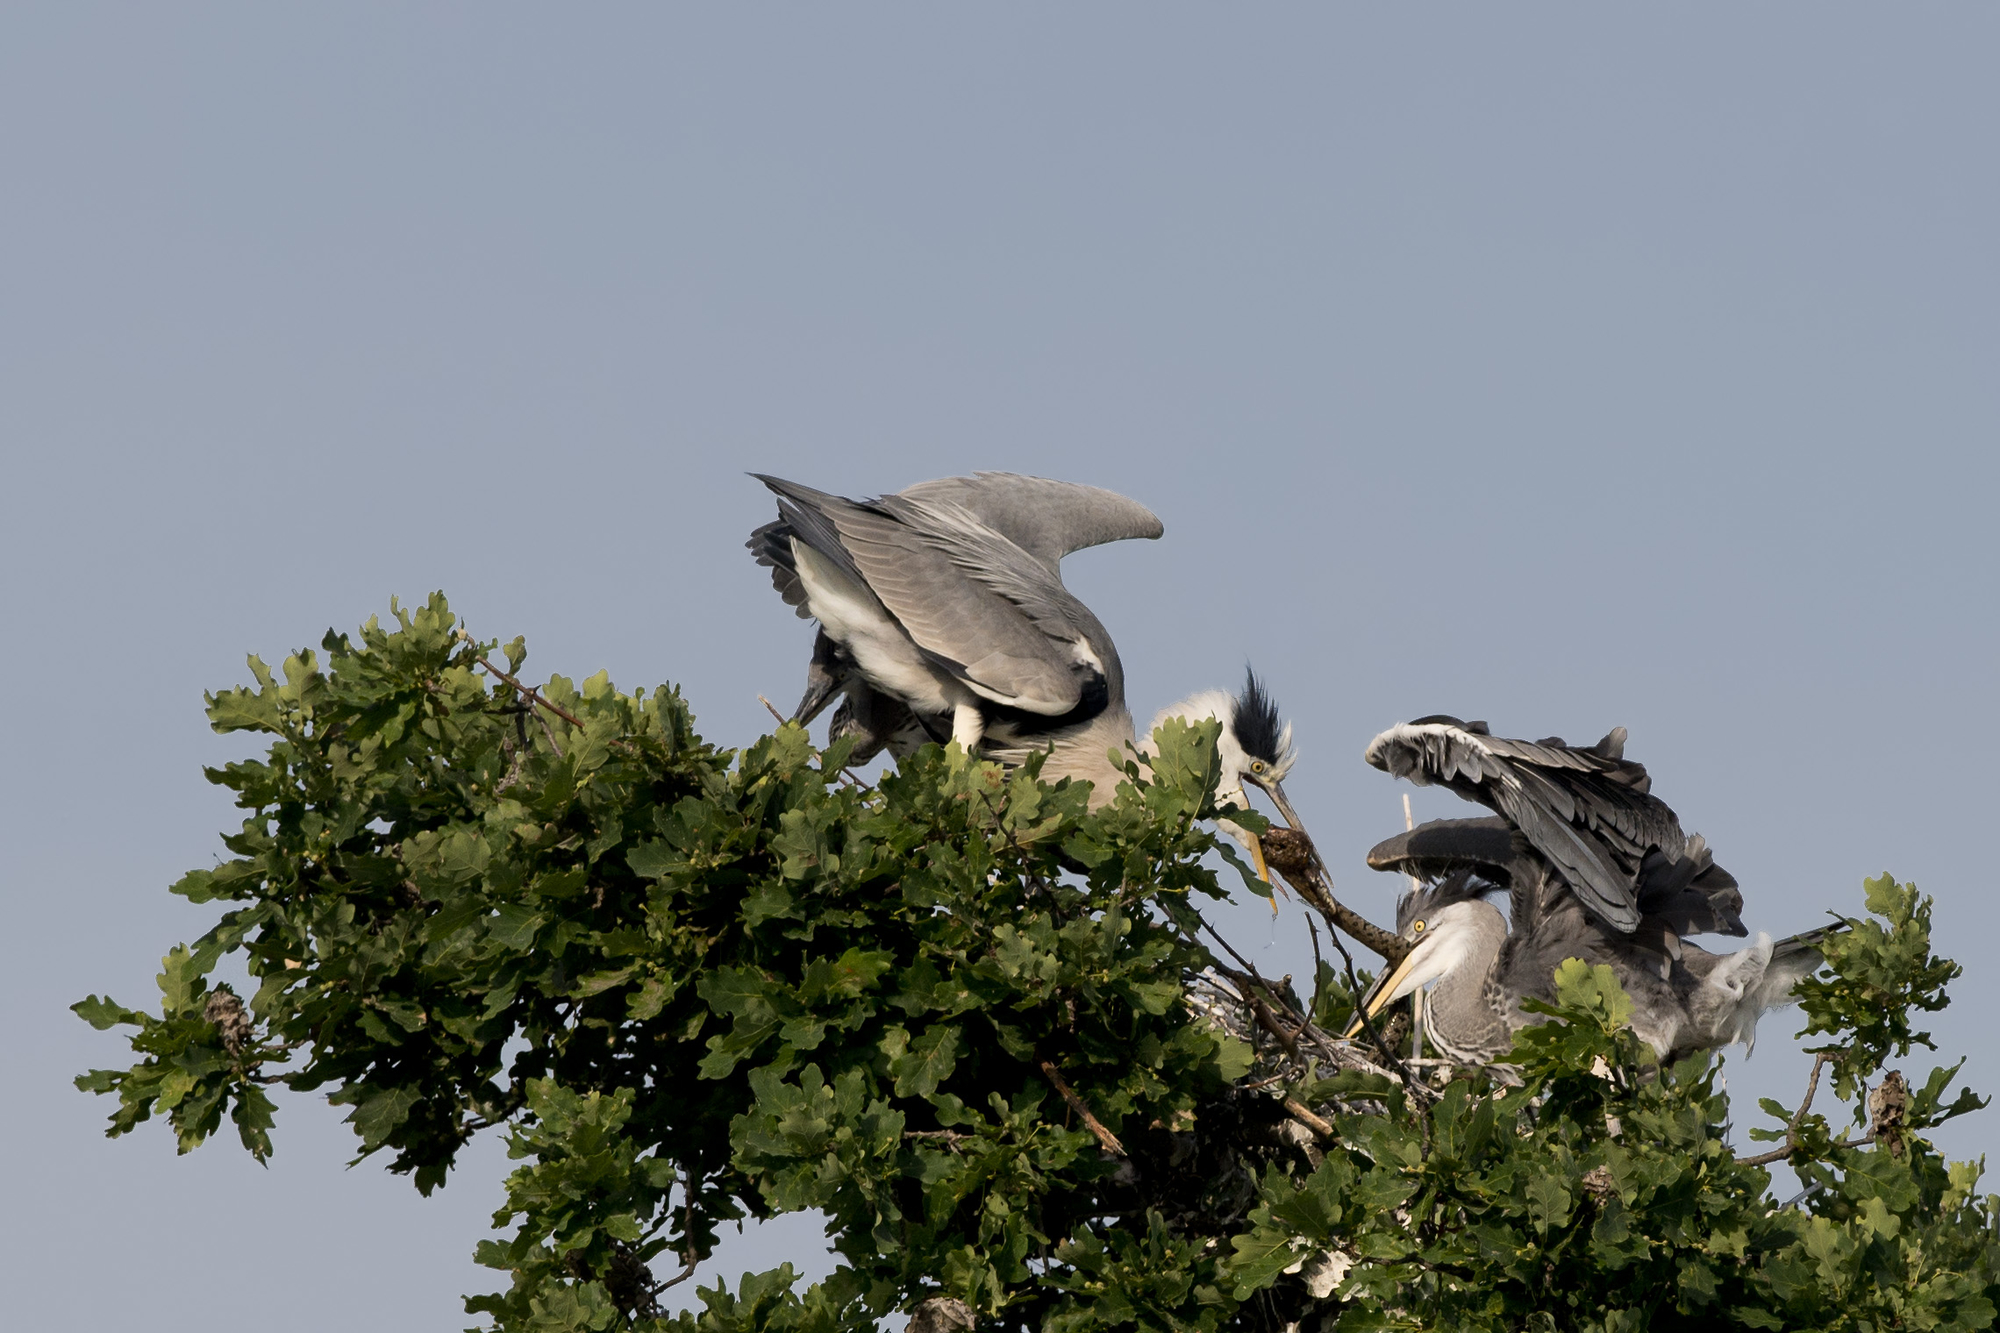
column 985, row 1030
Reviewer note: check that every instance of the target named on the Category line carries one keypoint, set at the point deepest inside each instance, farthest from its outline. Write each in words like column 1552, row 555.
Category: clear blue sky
column 1563, row 366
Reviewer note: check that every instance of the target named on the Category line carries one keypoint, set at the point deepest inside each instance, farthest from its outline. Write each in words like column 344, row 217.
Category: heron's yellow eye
column 1418, row 928
column 1256, row 765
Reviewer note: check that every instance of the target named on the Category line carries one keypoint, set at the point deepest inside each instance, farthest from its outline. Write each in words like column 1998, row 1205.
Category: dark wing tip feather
column 799, row 516
column 770, row 543
column 1446, row 719
column 1806, row 941
column 1441, row 845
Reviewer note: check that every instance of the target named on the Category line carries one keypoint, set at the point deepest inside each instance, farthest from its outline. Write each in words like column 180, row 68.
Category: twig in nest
column 1291, row 853
column 1299, row 1112
column 1090, row 1122
column 1288, row 1040
column 1246, row 992
column 1319, row 964
column 1381, row 1044
column 1257, row 983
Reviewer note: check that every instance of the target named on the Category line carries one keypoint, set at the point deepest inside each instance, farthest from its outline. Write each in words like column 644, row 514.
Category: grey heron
column 943, row 617
column 1594, row 867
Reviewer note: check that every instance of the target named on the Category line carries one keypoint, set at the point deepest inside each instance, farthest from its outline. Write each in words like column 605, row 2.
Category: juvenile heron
column 943, row 616
column 1594, row 867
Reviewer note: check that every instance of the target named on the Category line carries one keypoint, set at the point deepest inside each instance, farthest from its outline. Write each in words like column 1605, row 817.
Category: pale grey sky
column 1563, row 366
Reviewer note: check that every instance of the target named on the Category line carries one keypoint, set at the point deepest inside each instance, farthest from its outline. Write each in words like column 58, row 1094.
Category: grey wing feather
column 1047, row 519
column 1442, row 849
column 1690, row 893
column 910, row 559
column 806, row 514
column 1806, row 941
column 994, row 562
column 1784, row 974
column 1793, row 959
column 1586, row 811
column 977, row 634
column 978, row 602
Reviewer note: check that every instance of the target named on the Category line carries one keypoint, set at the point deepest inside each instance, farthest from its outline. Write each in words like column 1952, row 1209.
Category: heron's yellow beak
column 1248, row 840
column 1276, row 791
column 1253, row 845
column 1263, row 871
column 1382, row 996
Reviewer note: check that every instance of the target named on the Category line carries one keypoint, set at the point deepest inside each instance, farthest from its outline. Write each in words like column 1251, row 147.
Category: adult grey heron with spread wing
column 1594, row 866
column 943, row 617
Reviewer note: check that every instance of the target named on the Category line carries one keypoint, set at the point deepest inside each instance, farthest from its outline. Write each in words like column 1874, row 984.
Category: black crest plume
column 1259, row 729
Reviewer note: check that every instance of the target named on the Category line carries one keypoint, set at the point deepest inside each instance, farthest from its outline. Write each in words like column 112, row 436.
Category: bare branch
column 1820, row 1062
column 1290, row 851
column 1092, row 1123
column 525, row 691
column 689, row 1257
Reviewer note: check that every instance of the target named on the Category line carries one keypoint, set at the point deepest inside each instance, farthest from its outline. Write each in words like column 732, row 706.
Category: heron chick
column 943, row 617
column 1594, row 867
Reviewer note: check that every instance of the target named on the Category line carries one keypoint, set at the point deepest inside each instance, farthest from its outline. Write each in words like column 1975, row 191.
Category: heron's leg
column 967, row 726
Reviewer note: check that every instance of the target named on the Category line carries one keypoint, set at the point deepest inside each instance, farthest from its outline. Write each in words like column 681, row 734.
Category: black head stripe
column 1460, row 886
column 1258, row 727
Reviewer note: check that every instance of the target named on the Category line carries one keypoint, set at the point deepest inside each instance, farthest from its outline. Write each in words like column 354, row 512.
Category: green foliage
column 1880, row 972
column 1599, row 1193
column 950, row 1011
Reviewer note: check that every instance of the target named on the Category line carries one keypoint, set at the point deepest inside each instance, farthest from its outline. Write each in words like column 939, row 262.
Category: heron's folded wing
column 991, row 643
column 978, row 605
column 1047, row 519
column 996, row 564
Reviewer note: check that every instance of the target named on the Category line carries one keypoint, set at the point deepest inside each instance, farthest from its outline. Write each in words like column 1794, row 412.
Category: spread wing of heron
column 1588, row 810
column 1480, row 965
